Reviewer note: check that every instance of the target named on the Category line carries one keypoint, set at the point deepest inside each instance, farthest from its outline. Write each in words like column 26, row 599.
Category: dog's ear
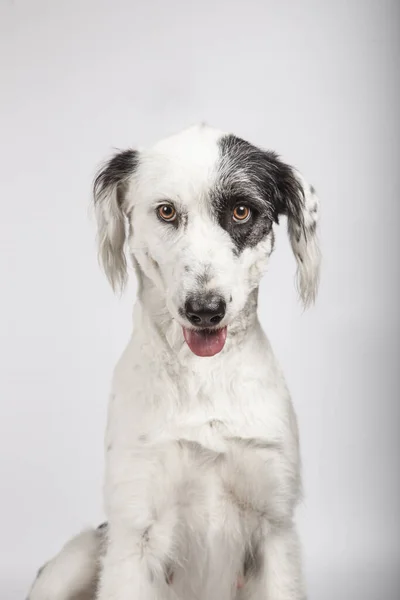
column 298, row 200
column 109, row 193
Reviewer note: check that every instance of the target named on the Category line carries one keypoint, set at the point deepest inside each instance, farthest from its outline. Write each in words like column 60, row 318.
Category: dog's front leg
column 132, row 570
column 273, row 561
column 282, row 573
column 279, row 574
column 141, row 501
column 283, row 577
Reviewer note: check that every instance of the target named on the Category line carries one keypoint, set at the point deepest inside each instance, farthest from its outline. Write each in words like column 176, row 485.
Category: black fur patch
column 115, row 174
column 260, row 180
column 253, row 561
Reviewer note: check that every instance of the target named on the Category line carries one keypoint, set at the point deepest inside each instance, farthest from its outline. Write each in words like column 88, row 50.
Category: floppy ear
column 299, row 202
column 302, row 228
column 109, row 193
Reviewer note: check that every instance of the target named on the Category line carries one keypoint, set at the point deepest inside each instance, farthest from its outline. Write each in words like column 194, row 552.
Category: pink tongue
column 205, row 343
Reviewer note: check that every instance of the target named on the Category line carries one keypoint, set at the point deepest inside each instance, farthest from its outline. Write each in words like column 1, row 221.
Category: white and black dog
column 202, row 454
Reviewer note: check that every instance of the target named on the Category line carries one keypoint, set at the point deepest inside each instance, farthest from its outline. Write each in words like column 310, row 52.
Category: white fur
column 72, row 574
column 304, row 242
column 202, row 454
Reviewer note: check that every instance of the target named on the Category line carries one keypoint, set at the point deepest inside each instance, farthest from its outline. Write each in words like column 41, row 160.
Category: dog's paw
column 73, row 573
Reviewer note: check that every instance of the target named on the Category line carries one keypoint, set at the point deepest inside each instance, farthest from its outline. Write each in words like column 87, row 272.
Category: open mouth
column 205, row 342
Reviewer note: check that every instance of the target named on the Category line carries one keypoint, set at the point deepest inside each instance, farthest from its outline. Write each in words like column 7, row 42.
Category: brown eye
column 166, row 212
column 241, row 213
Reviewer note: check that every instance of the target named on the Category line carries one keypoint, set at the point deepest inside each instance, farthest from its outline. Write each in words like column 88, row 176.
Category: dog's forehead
column 194, row 143
column 184, row 165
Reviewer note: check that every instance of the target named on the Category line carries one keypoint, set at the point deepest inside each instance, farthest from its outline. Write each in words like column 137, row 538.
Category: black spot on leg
column 169, row 573
column 252, row 563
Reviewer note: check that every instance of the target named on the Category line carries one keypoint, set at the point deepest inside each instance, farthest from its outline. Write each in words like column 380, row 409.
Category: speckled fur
column 202, row 454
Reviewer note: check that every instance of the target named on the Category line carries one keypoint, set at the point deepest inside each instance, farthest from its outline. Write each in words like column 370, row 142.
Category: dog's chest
column 207, row 404
column 216, row 428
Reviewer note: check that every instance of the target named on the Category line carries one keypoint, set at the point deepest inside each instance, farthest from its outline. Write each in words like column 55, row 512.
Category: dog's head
column 200, row 208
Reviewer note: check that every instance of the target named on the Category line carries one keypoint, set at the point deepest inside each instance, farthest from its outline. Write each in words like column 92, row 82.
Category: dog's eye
column 241, row 213
column 166, row 212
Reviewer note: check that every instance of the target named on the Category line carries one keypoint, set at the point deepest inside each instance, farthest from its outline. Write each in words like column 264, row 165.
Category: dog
column 202, row 450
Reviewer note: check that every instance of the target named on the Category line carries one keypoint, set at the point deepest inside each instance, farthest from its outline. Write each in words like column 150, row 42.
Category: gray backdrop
column 316, row 81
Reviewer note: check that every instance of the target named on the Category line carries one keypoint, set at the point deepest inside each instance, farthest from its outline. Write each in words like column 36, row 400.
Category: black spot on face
column 203, row 278
column 247, row 234
column 249, row 176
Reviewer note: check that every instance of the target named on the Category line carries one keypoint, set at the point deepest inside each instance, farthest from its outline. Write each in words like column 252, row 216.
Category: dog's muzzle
column 205, row 312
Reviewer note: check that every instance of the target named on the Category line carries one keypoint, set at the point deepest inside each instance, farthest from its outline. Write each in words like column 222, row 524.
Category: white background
column 317, row 81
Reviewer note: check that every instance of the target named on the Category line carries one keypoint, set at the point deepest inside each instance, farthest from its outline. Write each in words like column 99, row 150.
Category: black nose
column 205, row 312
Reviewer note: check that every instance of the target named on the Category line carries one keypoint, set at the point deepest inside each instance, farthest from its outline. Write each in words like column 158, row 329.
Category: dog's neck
column 160, row 327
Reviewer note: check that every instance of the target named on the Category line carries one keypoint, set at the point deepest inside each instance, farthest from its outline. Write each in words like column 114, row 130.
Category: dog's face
column 200, row 208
